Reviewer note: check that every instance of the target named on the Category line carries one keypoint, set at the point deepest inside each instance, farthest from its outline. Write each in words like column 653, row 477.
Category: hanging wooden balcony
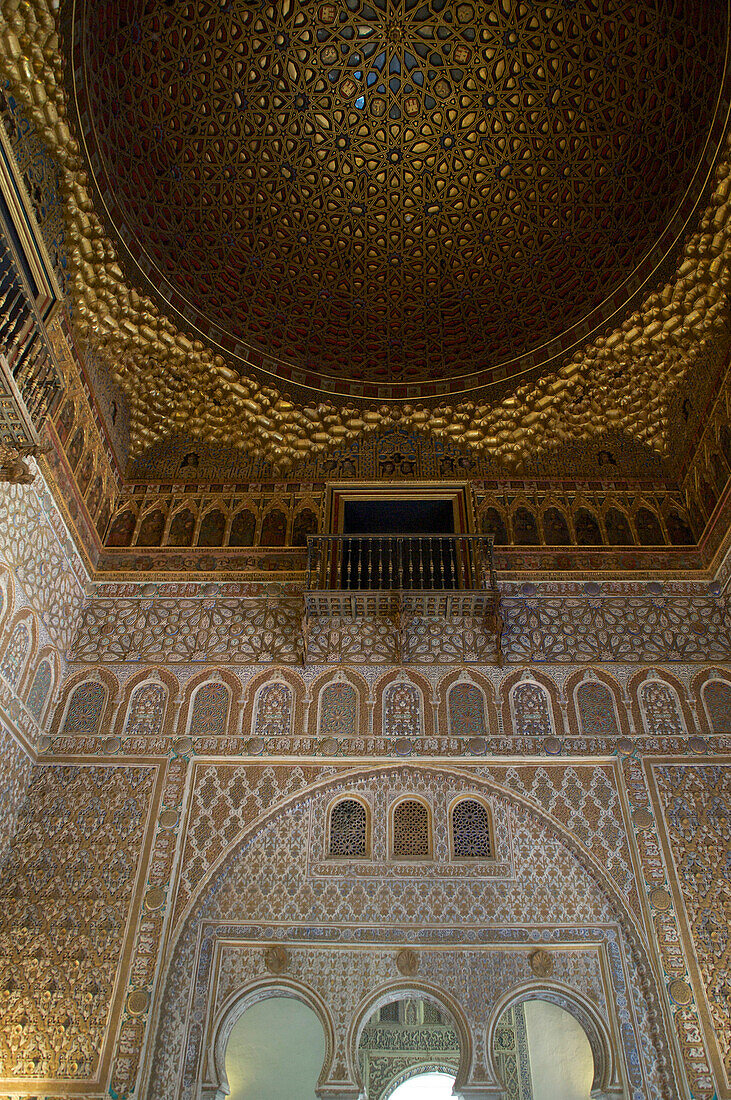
column 413, row 575
column 31, row 383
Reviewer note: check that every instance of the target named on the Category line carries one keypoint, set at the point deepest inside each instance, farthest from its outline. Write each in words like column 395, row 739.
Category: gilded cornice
column 623, row 379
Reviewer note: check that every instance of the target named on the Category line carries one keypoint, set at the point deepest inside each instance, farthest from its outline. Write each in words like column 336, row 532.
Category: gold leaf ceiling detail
column 177, row 384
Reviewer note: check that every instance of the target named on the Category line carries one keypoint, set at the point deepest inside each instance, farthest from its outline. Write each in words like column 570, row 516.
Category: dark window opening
column 420, row 559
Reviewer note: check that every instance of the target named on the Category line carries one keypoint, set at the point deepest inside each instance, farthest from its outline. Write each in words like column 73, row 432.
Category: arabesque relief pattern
column 42, row 557
column 15, row 771
column 68, row 886
column 266, row 628
column 278, row 853
column 695, row 805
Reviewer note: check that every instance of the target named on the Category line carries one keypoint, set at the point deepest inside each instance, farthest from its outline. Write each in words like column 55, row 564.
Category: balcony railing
column 28, row 367
column 389, row 574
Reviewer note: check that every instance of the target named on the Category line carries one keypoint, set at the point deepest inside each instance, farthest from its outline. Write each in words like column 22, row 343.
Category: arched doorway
column 424, row 1086
column 542, row 1052
column 275, row 1051
column 409, row 1049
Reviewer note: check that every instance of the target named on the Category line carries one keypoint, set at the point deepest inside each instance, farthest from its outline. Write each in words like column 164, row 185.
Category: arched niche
column 235, row 902
column 412, row 993
column 223, row 1078
column 605, row 1081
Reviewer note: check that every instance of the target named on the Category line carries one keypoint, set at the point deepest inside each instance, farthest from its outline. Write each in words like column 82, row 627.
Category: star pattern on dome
column 398, row 192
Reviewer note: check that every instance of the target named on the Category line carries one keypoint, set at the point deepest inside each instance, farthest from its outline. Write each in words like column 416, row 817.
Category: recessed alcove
column 542, row 1052
column 275, row 1051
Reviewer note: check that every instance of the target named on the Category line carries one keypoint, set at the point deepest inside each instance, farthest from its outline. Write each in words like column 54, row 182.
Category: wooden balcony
column 413, row 575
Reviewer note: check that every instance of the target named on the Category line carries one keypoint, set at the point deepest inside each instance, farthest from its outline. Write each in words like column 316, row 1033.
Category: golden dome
column 396, row 198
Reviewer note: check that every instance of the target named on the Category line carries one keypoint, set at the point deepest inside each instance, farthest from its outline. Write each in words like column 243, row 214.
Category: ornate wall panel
column 85, row 709
column 210, row 710
column 561, row 623
column 16, row 654
column 273, row 710
column 531, row 707
column 580, row 798
column 338, row 711
column 466, row 711
column 660, row 708
column 402, row 710
column 15, row 771
column 511, row 1046
column 146, row 710
column 693, row 803
column 39, row 689
column 717, row 699
column 69, row 881
column 535, row 891
column 39, row 551
column 596, row 709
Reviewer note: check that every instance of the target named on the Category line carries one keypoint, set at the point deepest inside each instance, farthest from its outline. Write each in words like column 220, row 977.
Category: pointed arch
column 19, row 646
column 712, row 692
column 410, row 708
column 658, row 702
column 530, row 705
column 42, row 684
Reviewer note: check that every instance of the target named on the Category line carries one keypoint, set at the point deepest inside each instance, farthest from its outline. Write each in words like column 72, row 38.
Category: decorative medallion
column 328, row 746
column 44, row 743
column 403, row 747
column 255, row 746
column 698, row 744
column 680, row 992
column 541, row 962
column 276, row 959
column 386, row 193
column 407, row 962
column 552, row 745
column 477, row 746
column 111, row 744
column 626, row 746
column 169, row 819
column 642, row 818
column 137, row 1002
column 154, row 898
column 183, row 745
column 660, row 899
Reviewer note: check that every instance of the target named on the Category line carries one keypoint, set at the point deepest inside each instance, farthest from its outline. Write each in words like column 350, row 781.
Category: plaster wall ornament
column 137, row 1002
column 407, row 962
column 276, row 959
column 541, row 963
column 680, row 992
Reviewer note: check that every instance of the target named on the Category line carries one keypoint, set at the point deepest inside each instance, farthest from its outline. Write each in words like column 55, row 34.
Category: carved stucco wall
column 694, row 809
column 38, row 550
column 41, row 587
column 15, row 769
column 274, row 885
column 69, row 888
column 206, row 806
column 245, row 624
